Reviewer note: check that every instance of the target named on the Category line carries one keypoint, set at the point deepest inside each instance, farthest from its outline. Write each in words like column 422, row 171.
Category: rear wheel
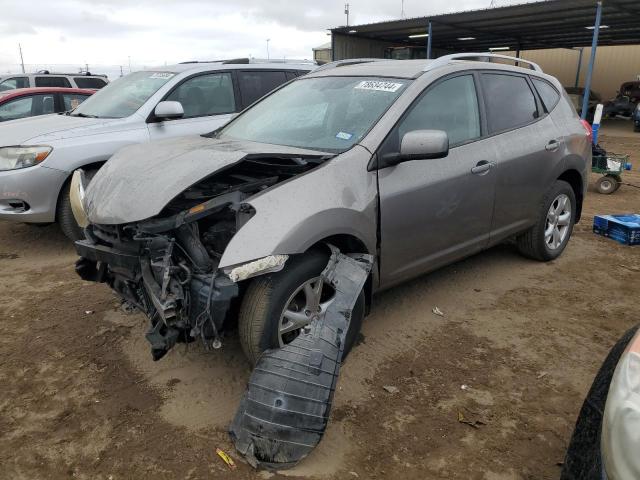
column 547, row 239
column 277, row 306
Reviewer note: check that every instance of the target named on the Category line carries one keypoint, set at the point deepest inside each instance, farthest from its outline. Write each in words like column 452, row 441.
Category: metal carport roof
column 530, row 26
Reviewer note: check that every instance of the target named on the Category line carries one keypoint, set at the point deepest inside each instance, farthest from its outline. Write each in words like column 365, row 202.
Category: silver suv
column 419, row 163
column 38, row 155
column 48, row 79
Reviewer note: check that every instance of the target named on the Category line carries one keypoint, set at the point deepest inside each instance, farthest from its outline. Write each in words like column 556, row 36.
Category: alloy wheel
column 306, row 304
column 558, row 222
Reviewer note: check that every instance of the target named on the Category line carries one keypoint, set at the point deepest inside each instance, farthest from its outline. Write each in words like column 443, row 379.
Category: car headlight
column 76, row 198
column 12, row 158
column 620, row 439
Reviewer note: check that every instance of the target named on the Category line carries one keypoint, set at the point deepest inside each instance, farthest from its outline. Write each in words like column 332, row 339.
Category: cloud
column 105, row 33
column 16, row 28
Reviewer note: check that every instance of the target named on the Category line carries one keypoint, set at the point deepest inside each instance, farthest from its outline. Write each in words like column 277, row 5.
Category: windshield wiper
column 83, row 115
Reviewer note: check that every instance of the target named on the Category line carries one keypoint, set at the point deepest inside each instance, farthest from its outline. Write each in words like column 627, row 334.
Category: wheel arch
column 65, row 184
column 574, row 179
column 349, row 243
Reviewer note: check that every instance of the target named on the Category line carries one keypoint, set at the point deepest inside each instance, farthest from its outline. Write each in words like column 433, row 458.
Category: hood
column 139, row 181
column 47, row 128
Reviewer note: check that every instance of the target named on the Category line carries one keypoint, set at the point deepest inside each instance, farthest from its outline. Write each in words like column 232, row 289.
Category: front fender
column 339, row 197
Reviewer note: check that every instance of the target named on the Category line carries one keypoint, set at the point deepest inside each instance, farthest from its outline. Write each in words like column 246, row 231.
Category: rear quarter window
column 547, row 92
column 87, row 82
column 509, row 100
column 255, row 84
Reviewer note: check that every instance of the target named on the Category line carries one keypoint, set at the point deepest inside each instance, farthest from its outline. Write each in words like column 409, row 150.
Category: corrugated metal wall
column 614, row 65
column 346, row 46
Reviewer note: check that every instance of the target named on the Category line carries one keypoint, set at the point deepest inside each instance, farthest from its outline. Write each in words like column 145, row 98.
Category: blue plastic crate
column 622, row 228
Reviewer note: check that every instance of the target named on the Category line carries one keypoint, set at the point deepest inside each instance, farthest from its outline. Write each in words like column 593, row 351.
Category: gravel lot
column 81, row 397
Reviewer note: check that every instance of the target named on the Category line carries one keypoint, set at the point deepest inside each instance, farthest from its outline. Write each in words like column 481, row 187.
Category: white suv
column 46, row 79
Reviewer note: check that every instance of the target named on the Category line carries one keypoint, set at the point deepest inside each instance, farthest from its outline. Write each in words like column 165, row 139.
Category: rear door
column 209, row 100
column 433, row 212
column 528, row 146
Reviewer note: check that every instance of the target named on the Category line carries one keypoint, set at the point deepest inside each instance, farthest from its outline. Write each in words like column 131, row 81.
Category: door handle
column 552, row 146
column 482, row 167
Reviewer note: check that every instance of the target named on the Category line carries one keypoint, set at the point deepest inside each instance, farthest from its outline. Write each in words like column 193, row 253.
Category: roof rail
column 482, row 57
column 78, row 74
column 348, row 61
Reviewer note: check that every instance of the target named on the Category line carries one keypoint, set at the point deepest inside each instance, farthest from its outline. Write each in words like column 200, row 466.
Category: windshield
column 124, row 96
column 327, row 113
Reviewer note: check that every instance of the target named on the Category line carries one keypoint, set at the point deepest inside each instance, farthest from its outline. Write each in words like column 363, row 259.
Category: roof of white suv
column 224, row 65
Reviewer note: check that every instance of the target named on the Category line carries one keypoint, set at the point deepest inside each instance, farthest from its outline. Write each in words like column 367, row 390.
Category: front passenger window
column 205, row 95
column 452, row 106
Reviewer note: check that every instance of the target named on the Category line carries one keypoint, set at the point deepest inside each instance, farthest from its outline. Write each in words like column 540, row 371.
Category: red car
column 29, row 102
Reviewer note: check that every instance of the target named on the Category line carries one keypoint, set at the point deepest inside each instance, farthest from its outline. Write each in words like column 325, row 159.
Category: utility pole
column 21, row 59
column 86, row 65
column 346, row 12
column 402, row 10
column 120, row 70
column 268, row 40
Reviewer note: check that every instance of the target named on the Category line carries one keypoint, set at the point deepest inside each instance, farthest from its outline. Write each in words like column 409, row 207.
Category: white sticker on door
column 380, row 86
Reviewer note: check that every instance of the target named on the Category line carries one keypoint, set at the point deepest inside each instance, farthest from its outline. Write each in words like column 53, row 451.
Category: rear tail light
column 588, row 128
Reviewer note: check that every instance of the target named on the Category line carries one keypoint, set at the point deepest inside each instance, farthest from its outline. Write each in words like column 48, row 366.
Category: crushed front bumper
column 200, row 310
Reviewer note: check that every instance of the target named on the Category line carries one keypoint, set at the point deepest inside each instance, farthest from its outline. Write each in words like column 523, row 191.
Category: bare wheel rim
column 558, row 222
column 305, row 304
column 607, row 185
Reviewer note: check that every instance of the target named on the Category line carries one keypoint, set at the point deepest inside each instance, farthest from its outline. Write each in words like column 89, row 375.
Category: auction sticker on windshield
column 377, row 85
column 161, row 75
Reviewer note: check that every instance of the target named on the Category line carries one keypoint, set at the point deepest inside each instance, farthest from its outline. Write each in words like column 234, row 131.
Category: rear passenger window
column 548, row 94
column 291, row 74
column 510, row 101
column 88, row 82
column 452, row 106
column 256, row 84
column 52, row 82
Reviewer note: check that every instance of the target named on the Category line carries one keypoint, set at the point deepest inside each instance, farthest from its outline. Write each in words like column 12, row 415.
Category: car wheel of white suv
column 64, row 214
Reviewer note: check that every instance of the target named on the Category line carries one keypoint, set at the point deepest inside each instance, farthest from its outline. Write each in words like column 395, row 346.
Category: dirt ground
column 514, row 354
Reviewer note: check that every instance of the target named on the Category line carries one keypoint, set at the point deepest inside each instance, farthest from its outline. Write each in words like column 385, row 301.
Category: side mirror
column 418, row 145
column 168, row 110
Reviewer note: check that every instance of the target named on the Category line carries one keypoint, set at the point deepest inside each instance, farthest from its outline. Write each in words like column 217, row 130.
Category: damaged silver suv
column 419, row 163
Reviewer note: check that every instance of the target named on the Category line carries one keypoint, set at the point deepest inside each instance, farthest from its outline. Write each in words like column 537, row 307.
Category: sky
column 106, row 34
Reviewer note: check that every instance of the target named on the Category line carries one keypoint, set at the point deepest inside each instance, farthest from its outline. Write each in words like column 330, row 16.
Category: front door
column 435, row 211
column 208, row 101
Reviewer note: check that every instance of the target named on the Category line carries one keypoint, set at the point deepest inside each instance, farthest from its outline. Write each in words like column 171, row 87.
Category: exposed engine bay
column 167, row 266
